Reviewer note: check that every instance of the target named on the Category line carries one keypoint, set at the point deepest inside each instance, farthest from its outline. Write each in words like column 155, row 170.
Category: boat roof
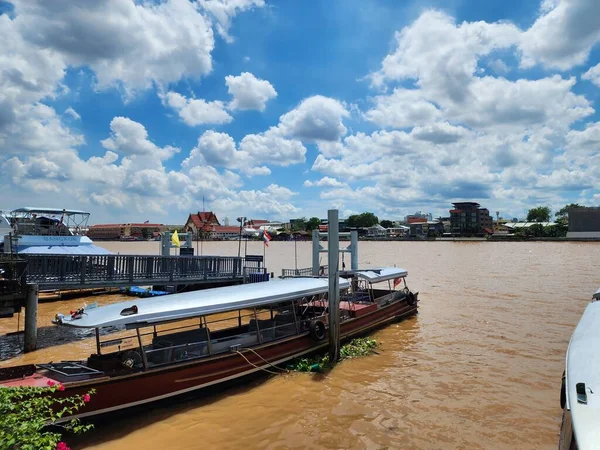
column 48, row 211
column 378, row 275
column 63, row 250
column 199, row 303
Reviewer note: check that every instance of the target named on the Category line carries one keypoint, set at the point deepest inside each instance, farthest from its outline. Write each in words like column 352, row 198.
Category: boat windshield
column 49, row 221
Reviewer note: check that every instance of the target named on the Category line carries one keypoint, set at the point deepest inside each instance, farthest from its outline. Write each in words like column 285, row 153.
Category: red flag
column 397, row 281
column 266, row 237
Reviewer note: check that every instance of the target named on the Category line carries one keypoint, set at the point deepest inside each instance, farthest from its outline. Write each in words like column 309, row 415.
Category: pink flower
column 50, row 383
column 60, row 387
column 86, row 398
column 62, row 446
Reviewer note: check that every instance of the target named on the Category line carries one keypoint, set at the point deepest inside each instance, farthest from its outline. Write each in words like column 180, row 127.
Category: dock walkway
column 64, row 272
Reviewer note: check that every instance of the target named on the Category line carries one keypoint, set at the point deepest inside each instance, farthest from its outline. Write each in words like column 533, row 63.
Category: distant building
column 201, row 222
column 584, row 223
column 426, row 229
column 221, row 232
column 113, row 231
column 256, row 223
column 398, row 231
column 106, row 231
column 419, row 216
column 377, row 231
column 469, row 218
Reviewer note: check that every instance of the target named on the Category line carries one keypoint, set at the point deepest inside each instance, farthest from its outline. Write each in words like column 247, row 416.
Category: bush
column 26, row 412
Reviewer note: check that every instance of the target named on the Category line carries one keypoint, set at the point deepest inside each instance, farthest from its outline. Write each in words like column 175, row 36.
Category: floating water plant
column 319, row 363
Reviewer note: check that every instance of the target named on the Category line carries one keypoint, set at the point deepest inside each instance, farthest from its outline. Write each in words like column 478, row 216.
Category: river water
column 478, row 368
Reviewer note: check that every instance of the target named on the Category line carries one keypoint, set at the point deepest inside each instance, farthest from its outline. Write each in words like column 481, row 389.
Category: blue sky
column 286, row 109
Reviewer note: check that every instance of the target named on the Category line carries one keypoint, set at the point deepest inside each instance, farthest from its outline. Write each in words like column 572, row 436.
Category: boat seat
column 267, row 328
column 243, row 340
column 169, row 350
column 286, row 325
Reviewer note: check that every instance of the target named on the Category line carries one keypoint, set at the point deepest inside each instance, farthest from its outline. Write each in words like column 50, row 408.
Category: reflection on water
column 479, row 367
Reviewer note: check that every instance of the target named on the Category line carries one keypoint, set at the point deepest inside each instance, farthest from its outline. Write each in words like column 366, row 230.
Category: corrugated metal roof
column 528, row 224
column 199, row 303
column 49, row 211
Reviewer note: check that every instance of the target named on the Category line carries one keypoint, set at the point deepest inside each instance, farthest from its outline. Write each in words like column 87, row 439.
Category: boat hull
column 141, row 387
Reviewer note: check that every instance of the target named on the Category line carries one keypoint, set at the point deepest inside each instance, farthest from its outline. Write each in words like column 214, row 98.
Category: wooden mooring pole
column 31, row 309
column 333, row 257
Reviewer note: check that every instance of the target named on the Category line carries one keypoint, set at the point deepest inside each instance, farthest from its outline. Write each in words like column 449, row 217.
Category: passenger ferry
column 580, row 390
column 177, row 344
column 46, row 230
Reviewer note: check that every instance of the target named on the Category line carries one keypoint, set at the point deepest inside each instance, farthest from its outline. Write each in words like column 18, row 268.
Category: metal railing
column 62, row 271
column 305, row 272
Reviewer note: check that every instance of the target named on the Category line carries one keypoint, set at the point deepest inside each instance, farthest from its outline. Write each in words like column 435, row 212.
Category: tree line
column 543, row 214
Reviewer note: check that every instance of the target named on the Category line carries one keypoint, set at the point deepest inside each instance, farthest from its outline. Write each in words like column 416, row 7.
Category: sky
column 148, row 110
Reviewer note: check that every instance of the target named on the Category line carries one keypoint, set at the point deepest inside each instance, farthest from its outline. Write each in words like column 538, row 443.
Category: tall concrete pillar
column 354, row 250
column 31, row 308
column 315, row 253
column 333, row 258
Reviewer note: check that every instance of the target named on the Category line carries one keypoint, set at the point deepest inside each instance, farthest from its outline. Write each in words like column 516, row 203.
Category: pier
column 98, row 271
column 24, row 276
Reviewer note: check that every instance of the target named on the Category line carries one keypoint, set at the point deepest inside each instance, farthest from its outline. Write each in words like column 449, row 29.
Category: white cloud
column 317, row 118
column 197, row 111
column 249, row 92
column 224, row 10
column 131, row 138
column 499, row 66
column 593, row 75
column 563, row 35
column 441, row 55
column 403, row 108
column 447, row 85
column 272, row 148
column 72, row 113
column 219, row 149
column 133, row 46
column 324, row 182
column 439, row 133
column 279, row 192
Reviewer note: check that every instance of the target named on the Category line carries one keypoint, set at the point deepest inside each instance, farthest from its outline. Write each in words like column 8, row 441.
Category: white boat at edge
column 46, row 231
column 580, row 395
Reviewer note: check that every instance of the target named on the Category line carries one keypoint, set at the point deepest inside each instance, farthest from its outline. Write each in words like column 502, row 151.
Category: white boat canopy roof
column 597, row 294
column 199, row 303
column 378, row 275
column 54, row 211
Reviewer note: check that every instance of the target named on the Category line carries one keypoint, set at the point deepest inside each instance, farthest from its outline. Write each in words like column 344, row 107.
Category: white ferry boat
column 580, row 391
column 46, row 230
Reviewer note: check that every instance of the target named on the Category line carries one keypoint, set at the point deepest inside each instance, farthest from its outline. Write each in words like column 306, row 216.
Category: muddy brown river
column 478, row 368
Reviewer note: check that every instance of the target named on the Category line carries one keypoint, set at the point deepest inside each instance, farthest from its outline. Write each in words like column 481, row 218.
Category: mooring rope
column 254, row 365
column 269, row 363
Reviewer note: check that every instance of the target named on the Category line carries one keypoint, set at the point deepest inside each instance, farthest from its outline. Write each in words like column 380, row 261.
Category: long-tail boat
column 176, row 344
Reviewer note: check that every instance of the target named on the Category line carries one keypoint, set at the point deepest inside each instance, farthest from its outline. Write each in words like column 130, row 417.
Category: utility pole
column 333, row 248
